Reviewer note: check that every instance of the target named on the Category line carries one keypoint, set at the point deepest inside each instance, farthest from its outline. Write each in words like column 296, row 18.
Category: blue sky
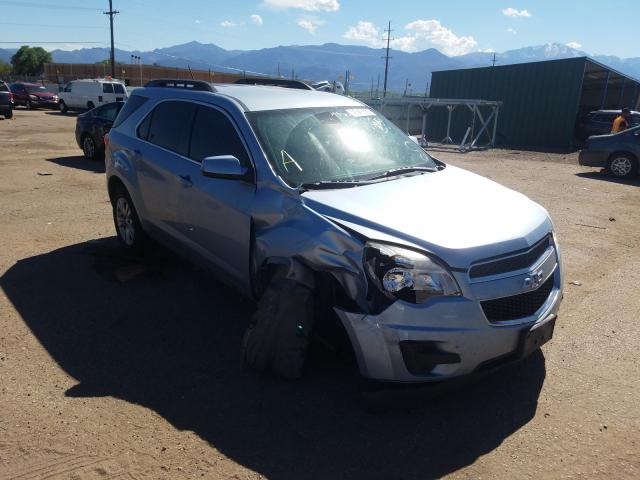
column 453, row 26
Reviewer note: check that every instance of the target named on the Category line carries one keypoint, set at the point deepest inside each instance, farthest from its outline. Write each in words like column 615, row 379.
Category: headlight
column 33, row 97
column 399, row 273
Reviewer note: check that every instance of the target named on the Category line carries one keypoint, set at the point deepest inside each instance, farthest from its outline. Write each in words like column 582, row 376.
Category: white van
column 88, row 94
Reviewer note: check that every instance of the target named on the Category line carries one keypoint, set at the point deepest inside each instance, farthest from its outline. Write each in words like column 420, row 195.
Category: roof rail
column 274, row 82
column 199, row 85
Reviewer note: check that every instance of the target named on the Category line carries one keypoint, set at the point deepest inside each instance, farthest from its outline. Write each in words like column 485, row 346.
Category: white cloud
column 515, row 13
column 575, row 45
column 257, row 19
column 486, row 50
column 512, row 30
column 198, row 21
column 421, row 34
column 308, row 5
column 310, row 24
column 228, row 24
column 365, row 32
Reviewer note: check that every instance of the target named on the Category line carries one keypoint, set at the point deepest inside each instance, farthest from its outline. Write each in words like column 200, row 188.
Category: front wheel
column 29, row 105
column 130, row 234
column 63, row 107
column 622, row 165
column 8, row 115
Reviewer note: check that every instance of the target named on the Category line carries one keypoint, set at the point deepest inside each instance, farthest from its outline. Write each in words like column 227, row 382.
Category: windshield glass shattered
column 312, row 145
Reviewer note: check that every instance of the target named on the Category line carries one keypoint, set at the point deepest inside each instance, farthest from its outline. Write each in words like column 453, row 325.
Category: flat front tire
column 622, row 165
column 130, row 234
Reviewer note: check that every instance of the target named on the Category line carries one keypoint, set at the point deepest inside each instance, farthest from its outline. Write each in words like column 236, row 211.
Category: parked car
column 92, row 126
column 33, row 95
column 601, row 121
column 324, row 211
column 618, row 153
column 6, row 101
column 326, row 86
column 88, row 94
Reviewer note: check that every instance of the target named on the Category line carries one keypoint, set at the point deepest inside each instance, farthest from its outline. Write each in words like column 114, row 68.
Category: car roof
column 259, row 97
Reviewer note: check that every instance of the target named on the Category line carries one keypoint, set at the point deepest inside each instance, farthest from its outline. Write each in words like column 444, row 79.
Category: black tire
column 62, row 106
column 90, row 105
column 28, row 105
column 89, row 148
column 278, row 337
column 129, row 230
column 622, row 165
column 8, row 115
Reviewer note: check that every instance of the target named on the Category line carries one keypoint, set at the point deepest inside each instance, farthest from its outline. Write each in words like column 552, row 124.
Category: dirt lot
column 115, row 369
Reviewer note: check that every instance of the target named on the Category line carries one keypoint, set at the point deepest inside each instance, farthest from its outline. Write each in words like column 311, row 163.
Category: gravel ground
column 114, row 368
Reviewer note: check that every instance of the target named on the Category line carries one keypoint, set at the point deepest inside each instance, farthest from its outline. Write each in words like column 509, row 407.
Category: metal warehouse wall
column 540, row 101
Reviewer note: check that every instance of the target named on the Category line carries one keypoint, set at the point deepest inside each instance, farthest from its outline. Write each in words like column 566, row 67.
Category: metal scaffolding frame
column 471, row 138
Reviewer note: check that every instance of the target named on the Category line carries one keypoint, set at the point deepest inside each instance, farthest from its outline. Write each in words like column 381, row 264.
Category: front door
column 216, row 213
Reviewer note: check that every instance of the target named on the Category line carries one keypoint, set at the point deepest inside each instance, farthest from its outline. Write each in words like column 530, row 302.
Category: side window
column 131, row 105
column 143, row 128
column 68, row 87
column 107, row 88
column 118, row 88
column 108, row 112
column 213, row 134
column 171, row 125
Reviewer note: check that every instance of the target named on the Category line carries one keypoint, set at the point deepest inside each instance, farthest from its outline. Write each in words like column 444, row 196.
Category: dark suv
column 6, row 101
column 600, row 122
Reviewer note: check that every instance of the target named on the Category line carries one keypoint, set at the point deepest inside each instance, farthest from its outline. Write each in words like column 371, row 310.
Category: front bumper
column 593, row 158
column 45, row 104
column 453, row 331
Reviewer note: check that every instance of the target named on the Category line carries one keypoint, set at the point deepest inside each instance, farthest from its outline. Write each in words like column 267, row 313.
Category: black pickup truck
column 6, row 100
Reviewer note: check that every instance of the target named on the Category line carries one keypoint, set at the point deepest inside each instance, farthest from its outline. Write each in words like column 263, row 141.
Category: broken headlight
column 399, row 273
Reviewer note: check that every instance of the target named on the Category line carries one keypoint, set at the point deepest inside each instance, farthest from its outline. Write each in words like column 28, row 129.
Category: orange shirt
column 619, row 124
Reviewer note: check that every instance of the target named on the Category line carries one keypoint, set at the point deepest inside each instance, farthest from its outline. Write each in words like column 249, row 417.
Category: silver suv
column 323, row 211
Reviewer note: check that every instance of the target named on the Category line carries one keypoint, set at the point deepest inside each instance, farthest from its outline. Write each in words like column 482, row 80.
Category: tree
column 5, row 69
column 30, row 60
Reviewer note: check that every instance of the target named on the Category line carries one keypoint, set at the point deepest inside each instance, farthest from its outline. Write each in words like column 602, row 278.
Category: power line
column 48, row 5
column 51, row 43
column 386, row 59
column 93, row 27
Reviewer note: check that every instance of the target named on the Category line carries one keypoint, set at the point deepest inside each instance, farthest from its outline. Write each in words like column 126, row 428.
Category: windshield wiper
column 402, row 170
column 329, row 184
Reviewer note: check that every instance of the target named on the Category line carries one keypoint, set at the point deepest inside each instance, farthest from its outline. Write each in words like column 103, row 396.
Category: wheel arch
column 625, row 153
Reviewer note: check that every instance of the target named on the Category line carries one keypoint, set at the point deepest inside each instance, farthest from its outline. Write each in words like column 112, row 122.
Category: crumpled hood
column 455, row 214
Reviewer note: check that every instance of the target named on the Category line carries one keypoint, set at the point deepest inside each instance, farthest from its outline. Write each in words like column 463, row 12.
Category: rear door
column 161, row 158
column 216, row 213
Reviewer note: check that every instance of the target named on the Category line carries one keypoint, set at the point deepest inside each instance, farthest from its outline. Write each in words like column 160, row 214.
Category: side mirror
column 224, row 166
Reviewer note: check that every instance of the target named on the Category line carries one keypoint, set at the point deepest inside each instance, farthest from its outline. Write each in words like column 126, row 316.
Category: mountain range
column 331, row 60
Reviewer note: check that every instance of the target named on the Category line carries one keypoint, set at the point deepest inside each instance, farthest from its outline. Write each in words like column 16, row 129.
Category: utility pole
column 111, row 13
column 378, row 87
column 279, row 76
column 386, row 59
column 494, row 59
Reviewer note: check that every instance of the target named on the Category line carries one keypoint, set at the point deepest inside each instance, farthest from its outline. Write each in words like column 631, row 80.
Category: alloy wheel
column 621, row 166
column 89, row 147
column 124, row 220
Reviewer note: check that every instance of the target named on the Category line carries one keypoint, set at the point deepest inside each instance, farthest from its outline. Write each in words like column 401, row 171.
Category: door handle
column 186, row 180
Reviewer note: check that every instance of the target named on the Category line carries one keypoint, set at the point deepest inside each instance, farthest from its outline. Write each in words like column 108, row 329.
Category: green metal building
column 542, row 101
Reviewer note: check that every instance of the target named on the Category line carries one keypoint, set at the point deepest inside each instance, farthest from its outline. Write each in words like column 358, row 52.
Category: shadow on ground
column 60, row 114
column 609, row 178
column 79, row 162
column 163, row 334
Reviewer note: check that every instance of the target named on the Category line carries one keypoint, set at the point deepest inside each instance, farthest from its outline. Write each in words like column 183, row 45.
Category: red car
column 33, row 95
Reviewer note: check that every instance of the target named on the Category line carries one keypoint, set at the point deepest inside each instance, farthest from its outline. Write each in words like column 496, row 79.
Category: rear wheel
column 89, row 147
column 8, row 115
column 91, row 105
column 130, row 234
column 62, row 106
column 623, row 165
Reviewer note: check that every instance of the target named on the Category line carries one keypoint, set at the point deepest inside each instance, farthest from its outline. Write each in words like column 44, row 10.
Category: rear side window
column 108, row 112
column 171, row 125
column 107, row 88
column 213, row 135
column 131, row 105
column 118, row 88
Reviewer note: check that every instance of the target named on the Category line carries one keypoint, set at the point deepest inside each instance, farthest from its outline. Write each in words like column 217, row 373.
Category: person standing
column 622, row 121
